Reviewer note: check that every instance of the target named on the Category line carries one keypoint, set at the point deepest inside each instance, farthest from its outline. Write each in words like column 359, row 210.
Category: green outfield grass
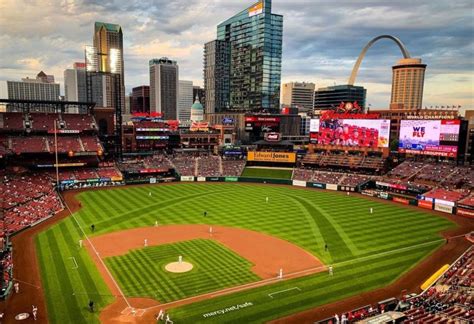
column 367, row 250
column 267, row 173
column 141, row 273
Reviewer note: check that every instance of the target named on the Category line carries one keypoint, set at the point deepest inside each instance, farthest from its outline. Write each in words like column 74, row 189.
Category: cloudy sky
column 321, row 39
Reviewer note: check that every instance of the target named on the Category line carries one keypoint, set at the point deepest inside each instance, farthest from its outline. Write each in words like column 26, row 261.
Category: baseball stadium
column 188, row 225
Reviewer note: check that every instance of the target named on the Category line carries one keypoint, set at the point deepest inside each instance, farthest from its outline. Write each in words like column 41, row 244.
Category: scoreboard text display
column 429, row 137
column 279, row 157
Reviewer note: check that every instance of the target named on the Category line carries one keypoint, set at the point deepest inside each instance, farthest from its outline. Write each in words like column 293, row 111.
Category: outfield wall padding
column 264, row 180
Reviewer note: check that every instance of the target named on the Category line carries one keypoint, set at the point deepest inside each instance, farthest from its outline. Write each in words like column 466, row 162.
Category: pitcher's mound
column 179, row 267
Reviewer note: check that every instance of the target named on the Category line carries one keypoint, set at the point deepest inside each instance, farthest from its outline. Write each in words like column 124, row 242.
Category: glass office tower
column 255, row 38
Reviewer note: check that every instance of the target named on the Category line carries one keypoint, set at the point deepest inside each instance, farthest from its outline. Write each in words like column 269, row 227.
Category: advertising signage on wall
column 465, row 212
column 429, row 137
column 262, row 123
column 281, row 157
column 152, row 129
column 140, row 137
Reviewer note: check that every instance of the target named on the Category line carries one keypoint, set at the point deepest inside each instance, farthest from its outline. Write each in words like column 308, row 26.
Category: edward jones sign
column 280, row 157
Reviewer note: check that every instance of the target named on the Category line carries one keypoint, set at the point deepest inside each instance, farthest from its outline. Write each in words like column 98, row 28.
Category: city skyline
column 326, row 36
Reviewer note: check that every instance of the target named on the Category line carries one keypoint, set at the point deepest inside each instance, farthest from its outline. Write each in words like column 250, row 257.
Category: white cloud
column 322, row 39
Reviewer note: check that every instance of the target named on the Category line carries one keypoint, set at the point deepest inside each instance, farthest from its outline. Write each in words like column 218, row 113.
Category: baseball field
column 209, row 225
column 269, row 173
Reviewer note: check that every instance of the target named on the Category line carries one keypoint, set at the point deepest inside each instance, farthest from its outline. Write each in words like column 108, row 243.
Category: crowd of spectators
column 6, row 267
column 27, row 199
column 406, row 170
column 209, row 166
column 362, row 313
column 448, row 300
column 232, row 167
column 185, row 164
column 434, row 174
column 461, row 177
column 344, row 179
column 343, row 160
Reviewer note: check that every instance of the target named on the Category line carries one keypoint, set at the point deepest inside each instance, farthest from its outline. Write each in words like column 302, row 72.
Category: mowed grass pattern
column 141, row 272
column 267, row 173
column 307, row 218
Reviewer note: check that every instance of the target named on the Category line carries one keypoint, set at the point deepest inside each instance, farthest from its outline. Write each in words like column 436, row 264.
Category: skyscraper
column 253, row 38
column 331, row 97
column 217, row 75
column 140, row 100
column 40, row 88
column 104, row 61
column 407, row 84
column 75, row 84
column 298, row 94
column 185, row 99
column 164, row 78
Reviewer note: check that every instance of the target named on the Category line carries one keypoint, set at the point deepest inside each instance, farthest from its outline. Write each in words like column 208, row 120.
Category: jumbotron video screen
column 372, row 133
column 429, row 137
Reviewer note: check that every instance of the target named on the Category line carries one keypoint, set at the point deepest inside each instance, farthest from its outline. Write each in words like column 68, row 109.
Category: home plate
column 133, row 311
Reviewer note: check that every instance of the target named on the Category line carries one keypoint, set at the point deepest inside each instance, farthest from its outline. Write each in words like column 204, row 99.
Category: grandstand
column 371, row 164
column 29, row 141
column 448, row 300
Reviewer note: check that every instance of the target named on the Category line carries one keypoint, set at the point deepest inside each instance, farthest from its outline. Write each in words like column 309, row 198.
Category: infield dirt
column 31, row 290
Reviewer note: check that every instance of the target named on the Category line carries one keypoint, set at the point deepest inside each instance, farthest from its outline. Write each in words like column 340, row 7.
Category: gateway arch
column 397, row 41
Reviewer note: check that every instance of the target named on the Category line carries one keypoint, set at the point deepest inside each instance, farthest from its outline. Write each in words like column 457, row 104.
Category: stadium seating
column 406, row 170
column 448, row 195
column 79, row 122
column 26, row 200
column 232, row 168
column 469, row 201
column 461, row 177
column 209, row 166
column 109, row 172
column 43, row 122
column 343, row 179
column 90, row 143
column 184, row 164
column 157, row 161
column 27, row 144
column 344, row 161
column 203, row 165
column 11, row 121
column 449, row 300
column 65, row 144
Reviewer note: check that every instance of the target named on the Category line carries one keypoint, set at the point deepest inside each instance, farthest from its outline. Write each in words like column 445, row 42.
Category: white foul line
column 97, row 254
